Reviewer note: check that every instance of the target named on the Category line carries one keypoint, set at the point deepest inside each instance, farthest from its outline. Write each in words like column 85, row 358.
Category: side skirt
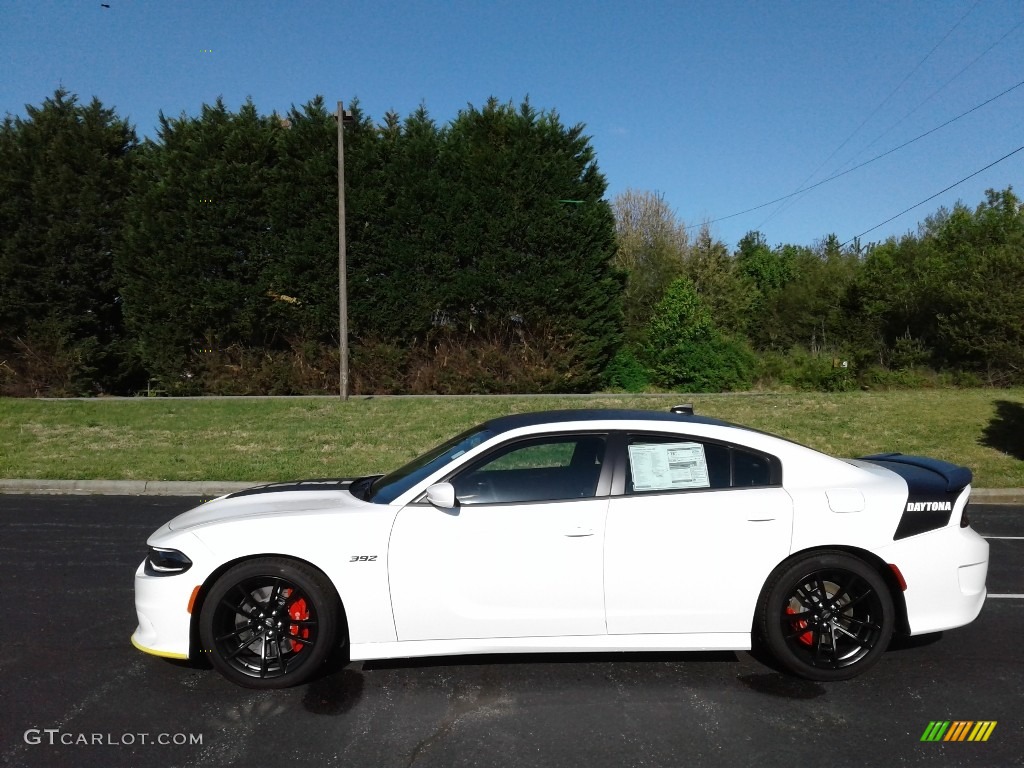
column 720, row 641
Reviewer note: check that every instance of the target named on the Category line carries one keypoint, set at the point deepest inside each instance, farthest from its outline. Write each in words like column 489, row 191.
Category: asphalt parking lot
column 74, row 692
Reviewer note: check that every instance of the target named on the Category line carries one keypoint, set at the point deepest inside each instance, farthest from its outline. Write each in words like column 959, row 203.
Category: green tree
column 198, row 239
column 977, row 289
column 770, row 269
column 685, row 350
column 951, row 296
column 401, row 268
column 532, row 241
column 300, row 274
column 64, row 175
column 651, row 248
column 890, row 318
column 807, row 309
column 726, row 291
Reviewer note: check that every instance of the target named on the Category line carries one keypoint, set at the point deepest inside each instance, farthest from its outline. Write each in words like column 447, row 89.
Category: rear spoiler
column 953, row 476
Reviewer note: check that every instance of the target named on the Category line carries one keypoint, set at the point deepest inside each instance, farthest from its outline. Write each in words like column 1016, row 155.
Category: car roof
column 540, row 418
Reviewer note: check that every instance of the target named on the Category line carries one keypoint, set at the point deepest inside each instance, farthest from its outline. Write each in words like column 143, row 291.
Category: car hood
column 303, row 496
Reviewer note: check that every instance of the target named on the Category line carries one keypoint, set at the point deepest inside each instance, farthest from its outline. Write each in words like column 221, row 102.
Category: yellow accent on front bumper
column 162, row 654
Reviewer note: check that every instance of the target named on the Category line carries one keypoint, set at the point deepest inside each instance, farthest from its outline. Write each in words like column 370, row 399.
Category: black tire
column 269, row 623
column 826, row 616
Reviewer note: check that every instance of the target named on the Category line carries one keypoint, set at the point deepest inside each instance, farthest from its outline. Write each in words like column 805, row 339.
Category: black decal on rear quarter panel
column 924, row 513
column 932, row 490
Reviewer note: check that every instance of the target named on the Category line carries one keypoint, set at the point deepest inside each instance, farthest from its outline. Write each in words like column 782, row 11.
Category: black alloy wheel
column 269, row 623
column 826, row 616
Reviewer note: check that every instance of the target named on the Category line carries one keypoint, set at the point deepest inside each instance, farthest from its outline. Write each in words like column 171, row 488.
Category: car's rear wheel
column 826, row 616
column 269, row 623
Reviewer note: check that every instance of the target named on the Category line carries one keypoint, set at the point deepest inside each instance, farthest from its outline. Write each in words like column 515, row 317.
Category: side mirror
column 442, row 495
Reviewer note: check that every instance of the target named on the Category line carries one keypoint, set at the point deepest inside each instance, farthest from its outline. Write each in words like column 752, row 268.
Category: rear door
column 697, row 529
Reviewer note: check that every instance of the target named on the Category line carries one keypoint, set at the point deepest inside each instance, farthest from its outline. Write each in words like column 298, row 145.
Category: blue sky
column 720, row 106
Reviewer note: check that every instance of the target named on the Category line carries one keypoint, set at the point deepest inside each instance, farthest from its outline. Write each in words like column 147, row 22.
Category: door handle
column 579, row 531
column 760, row 519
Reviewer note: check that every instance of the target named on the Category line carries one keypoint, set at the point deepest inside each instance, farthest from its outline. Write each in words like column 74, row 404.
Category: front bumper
column 162, row 604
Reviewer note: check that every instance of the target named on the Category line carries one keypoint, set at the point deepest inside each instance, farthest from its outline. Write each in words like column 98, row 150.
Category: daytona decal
column 929, row 506
column 920, row 516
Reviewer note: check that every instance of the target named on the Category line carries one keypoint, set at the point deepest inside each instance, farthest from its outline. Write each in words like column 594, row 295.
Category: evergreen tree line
column 206, row 260
column 482, row 257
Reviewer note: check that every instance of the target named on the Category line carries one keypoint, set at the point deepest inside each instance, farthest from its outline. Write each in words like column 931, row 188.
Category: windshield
column 390, row 487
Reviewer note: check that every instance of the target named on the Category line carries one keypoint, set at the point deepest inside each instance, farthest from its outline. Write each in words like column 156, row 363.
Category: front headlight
column 166, row 562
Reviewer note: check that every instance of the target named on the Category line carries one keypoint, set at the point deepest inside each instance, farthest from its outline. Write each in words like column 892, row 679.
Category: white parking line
column 1011, row 597
column 1011, row 538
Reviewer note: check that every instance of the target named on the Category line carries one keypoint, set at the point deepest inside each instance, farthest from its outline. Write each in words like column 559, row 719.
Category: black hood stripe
column 296, row 485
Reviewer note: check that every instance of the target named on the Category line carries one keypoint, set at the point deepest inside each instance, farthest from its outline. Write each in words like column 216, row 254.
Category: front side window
column 660, row 463
column 549, row 468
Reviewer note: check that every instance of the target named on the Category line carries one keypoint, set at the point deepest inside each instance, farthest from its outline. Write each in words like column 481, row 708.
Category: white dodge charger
column 582, row 530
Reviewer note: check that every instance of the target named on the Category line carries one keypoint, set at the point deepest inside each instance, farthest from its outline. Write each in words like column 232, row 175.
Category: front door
column 520, row 556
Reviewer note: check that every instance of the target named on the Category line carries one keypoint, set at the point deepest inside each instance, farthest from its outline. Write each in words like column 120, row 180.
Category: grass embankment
column 279, row 439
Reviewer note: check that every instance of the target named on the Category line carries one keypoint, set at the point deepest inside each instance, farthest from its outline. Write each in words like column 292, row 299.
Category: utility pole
column 342, row 117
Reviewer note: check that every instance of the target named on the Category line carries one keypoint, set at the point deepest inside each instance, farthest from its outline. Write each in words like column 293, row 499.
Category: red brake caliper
column 298, row 612
column 807, row 638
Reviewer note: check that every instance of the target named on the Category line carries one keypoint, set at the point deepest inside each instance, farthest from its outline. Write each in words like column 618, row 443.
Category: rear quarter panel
column 846, row 505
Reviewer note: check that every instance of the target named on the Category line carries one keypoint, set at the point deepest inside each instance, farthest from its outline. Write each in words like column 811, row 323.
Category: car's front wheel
column 826, row 616
column 269, row 623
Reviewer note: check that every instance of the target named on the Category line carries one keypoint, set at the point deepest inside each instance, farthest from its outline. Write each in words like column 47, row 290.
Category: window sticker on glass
column 667, row 466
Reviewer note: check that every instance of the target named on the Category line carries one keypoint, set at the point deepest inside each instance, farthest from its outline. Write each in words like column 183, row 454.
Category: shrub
column 459, row 363
column 802, row 370
column 45, row 362
column 715, row 364
column 626, row 372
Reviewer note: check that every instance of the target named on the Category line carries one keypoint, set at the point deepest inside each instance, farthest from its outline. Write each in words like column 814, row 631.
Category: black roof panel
column 536, row 418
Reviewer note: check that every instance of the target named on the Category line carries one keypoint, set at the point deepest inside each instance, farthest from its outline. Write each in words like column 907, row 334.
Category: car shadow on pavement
column 338, row 687
column 334, row 692
column 1005, row 431
column 909, row 642
column 782, row 685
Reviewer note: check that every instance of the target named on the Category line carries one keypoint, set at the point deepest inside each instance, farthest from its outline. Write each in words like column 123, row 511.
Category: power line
column 881, row 104
column 931, row 96
column 945, row 85
column 866, row 162
column 951, row 186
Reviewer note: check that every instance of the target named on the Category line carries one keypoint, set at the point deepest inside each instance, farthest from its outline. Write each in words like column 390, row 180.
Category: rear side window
column 750, row 470
column 660, row 463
